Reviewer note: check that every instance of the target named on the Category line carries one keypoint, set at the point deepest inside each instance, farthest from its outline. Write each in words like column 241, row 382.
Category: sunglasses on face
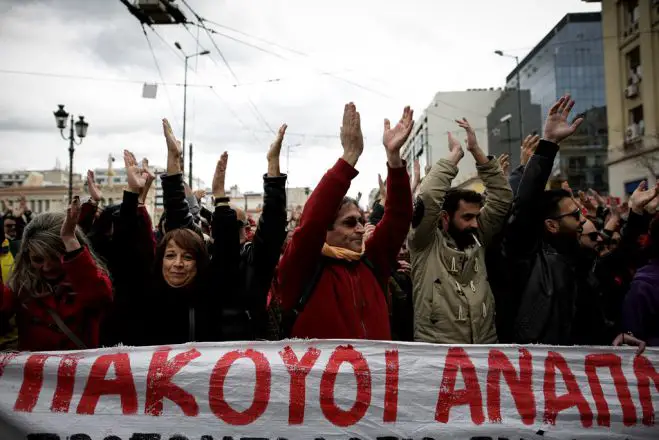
column 352, row 222
column 593, row 236
column 576, row 214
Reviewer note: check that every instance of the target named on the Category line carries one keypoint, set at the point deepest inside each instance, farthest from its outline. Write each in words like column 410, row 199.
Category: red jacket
column 80, row 300
column 348, row 302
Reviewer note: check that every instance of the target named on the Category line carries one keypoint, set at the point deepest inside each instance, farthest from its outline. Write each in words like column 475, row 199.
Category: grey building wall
column 499, row 140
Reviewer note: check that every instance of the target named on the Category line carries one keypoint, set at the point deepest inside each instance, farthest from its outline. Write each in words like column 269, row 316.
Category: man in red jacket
column 328, row 279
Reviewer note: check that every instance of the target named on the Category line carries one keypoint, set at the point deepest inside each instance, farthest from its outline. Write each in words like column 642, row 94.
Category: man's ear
column 444, row 220
column 551, row 226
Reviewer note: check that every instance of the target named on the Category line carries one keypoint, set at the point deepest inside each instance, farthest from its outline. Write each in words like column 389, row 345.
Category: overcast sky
column 296, row 61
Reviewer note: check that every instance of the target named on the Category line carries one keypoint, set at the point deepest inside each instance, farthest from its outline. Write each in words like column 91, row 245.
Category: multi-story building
column 569, row 59
column 429, row 139
column 631, row 56
column 503, row 124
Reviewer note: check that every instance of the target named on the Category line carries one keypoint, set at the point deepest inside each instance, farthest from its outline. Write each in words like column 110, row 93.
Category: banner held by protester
column 330, row 389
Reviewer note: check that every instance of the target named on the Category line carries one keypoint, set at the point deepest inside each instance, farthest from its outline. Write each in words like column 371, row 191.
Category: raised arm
column 384, row 244
column 177, row 209
column 304, row 250
column 522, row 236
column 271, row 229
column 428, row 203
column 499, row 195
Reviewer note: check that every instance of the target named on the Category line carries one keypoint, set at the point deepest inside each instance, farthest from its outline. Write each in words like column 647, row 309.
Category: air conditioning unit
column 632, row 132
column 631, row 91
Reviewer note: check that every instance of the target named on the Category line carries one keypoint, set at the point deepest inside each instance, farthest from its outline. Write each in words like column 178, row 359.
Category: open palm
column 394, row 138
column 557, row 127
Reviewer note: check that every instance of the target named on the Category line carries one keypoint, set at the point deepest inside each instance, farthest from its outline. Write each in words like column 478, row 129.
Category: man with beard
column 453, row 302
column 554, row 294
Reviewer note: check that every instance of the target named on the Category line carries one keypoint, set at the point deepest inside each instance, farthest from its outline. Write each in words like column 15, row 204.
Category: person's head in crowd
column 39, row 261
column 10, row 227
column 563, row 218
column 243, row 224
column 459, row 215
column 180, row 257
column 556, row 182
column 591, row 239
column 347, row 230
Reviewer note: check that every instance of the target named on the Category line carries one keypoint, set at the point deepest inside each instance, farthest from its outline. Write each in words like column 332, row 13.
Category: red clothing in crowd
column 79, row 300
column 348, row 302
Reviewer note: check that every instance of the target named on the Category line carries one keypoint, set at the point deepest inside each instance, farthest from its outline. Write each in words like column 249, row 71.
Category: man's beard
column 463, row 238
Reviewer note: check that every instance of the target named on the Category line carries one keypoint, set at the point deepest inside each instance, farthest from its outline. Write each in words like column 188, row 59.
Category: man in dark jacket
column 554, row 291
column 257, row 258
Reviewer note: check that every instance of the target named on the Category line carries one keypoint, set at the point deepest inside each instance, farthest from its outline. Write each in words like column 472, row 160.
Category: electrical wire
column 155, row 60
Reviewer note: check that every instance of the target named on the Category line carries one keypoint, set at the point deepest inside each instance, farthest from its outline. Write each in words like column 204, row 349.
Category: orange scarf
column 341, row 253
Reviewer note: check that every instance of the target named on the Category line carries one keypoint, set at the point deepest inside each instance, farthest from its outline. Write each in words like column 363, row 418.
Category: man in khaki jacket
column 453, row 303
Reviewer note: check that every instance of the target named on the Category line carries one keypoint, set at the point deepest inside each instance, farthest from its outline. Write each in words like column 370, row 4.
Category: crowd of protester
column 526, row 261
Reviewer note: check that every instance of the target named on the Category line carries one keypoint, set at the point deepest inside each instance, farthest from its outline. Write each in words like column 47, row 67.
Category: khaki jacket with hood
column 453, row 302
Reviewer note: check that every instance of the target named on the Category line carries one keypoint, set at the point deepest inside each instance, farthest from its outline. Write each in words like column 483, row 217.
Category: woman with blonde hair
column 59, row 289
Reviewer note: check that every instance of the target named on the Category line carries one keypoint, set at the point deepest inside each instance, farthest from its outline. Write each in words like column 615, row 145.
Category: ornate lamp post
column 61, row 117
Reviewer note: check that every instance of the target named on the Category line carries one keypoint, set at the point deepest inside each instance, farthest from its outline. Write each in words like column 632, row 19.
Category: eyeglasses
column 593, row 236
column 352, row 222
column 576, row 214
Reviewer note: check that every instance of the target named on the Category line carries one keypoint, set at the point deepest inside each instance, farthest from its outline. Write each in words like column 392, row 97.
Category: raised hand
column 394, row 138
column 557, row 127
column 68, row 230
column 383, row 190
column 174, row 149
column 220, row 175
column 136, row 180
column 651, row 207
column 416, row 177
column 199, row 194
column 92, row 187
column 504, row 163
column 456, row 153
column 642, row 196
column 587, row 203
column 351, row 134
column 472, row 142
column 149, row 177
column 598, row 198
column 275, row 151
column 528, row 148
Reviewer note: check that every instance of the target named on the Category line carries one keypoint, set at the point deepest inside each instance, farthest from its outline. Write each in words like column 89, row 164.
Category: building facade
column 631, row 56
column 569, row 59
column 429, row 139
column 503, row 123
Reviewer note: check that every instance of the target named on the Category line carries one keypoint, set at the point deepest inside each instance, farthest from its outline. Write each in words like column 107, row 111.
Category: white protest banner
column 330, row 390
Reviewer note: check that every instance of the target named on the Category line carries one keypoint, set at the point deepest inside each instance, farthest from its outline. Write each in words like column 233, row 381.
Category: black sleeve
column 523, row 233
column 176, row 204
column 515, row 179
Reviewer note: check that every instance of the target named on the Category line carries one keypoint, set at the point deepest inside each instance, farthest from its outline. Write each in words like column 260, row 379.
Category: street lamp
column 185, row 102
column 507, row 119
column 61, row 117
column 519, row 90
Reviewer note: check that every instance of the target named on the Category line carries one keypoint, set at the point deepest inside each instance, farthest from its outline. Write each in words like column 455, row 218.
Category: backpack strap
column 61, row 325
column 310, row 287
column 371, row 266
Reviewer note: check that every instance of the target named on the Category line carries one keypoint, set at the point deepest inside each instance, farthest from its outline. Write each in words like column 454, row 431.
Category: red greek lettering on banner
column 32, row 383
column 122, row 385
column 298, row 371
column 159, row 383
column 457, row 359
column 645, row 372
column 520, row 384
column 218, row 403
column 614, row 363
column 391, row 386
column 66, row 380
column 332, row 412
column 574, row 397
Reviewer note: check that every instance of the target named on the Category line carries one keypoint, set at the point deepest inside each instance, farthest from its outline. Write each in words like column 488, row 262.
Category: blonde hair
column 42, row 237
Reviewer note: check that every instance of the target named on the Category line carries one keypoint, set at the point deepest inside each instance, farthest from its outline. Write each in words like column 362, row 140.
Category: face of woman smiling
column 179, row 267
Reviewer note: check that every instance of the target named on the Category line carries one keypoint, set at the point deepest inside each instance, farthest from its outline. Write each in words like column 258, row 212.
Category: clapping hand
column 68, row 230
column 528, row 148
column 393, row 139
column 92, row 187
column 275, row 151
column 456, row 153
column 352, row 139
column 642, row 196
column 174, row 149
column 220, row 176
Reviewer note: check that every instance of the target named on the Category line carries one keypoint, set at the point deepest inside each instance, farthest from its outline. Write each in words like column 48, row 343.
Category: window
column 116, row 179
column 633, row 12
column 577, row 163
column 634, row 66
column 47, row 205
column 636, row 115
column 40, row 206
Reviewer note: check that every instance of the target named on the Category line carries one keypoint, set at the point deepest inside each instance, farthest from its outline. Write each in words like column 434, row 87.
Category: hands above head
column 220, row 175
column 472, row 142
column 416, row 177
column 174, row 150
column 136, row 179
column 352, row 139
column 504, row 163
column 92, row 187
column 68, row 230
column 275, row 151
column 149, row 177
column 642, row 196
column 557, row 127
column 528, row 148
column 383, row 190
column 456, row 153
column 393, row 139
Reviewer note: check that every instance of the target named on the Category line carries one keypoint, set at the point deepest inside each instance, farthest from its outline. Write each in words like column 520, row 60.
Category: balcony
column 632, row 91
column 630, row 33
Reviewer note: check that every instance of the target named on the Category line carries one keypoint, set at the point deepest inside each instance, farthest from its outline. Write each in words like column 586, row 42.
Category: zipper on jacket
column 191, row 324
